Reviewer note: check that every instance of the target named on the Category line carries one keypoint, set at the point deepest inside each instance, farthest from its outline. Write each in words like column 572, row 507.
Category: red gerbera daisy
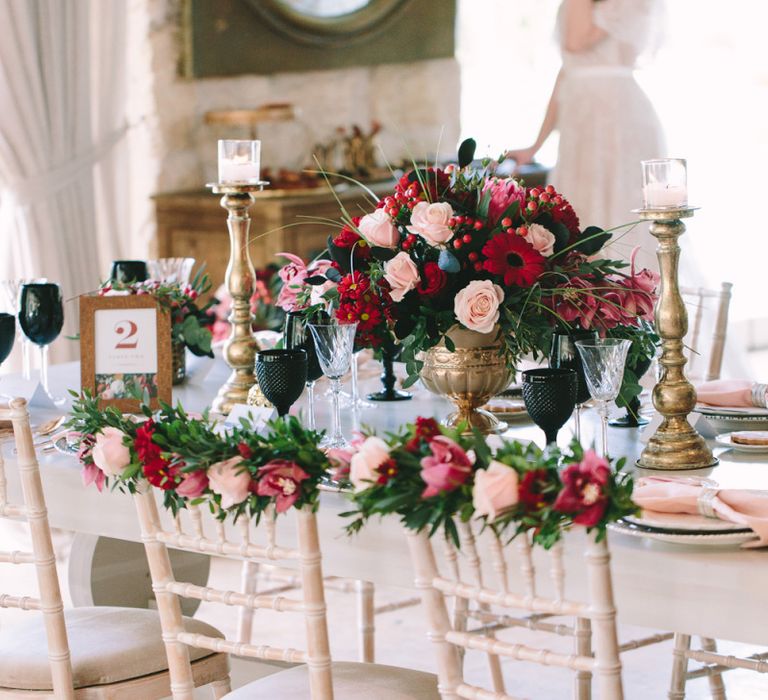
column 514, row 259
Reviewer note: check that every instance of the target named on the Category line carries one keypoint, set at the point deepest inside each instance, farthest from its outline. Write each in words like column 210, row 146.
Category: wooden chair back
column 478, row 578
column 196, row 530
column 33, row 511
column 707, row 308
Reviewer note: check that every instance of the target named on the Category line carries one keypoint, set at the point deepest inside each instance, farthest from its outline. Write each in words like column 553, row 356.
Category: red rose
column 584, row 489
column 433, row 280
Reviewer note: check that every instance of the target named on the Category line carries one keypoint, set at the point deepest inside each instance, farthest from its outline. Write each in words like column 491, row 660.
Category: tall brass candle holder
column 675, row 444
column 241, row 347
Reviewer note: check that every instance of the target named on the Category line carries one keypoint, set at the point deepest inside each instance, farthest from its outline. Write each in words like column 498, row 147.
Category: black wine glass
column 296, row 335
column 128, row 271
column 41, row 317
column 564, row 355
column 7, row 335
column 389, row 351
column 282, row 375
column 550, row 396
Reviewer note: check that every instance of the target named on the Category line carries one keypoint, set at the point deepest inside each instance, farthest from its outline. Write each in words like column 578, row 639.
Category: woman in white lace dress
column 606, row 122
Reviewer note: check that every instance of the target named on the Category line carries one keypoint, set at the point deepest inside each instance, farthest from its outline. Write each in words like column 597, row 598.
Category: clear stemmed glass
column 603, row 360
column 171, row 270
column 41, row 317
column 357, row 401
column 297, row 335
column 334, row 343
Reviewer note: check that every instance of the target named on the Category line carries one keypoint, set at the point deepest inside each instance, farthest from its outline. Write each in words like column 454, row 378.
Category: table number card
column 125, row 350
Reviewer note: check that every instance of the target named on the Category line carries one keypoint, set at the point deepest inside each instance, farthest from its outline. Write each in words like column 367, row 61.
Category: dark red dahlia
column 513, row 259
column 353, row 286
column 348, row 237
column 387, row 470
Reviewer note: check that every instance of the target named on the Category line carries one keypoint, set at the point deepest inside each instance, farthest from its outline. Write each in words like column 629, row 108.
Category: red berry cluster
column 550, row 200
column 467, row 239
column 409, row 192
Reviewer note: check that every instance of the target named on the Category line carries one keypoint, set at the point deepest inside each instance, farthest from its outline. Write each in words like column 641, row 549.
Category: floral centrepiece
column 461, row 247
column 432, row 476
column 235, row 472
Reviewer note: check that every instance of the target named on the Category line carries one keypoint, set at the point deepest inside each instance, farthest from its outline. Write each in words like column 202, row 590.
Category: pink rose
column 402, row 274
column 495, row 490
column 542, row 239
column 281, row 478
column 477, row 305
column 430, row 221
column 446, row 469
column 193, row 484
column 503, row 193
column 379, row 230
column 109, row 453
column 230, row 480
column 363, row 466
column 292, row 275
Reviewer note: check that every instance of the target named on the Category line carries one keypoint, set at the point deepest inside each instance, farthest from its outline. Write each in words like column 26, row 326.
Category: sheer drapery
column 61, row 118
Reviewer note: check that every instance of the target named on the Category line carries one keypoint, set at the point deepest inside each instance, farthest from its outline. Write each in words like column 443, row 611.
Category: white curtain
column 62, row 121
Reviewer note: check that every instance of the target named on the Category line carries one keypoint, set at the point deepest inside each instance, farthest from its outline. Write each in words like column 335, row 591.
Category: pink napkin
column 666, row 495
column 734, row 393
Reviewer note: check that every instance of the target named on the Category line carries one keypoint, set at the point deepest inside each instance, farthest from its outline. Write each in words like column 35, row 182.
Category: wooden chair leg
column 679, row 666
column 365, row 621
column 220, row 688
column 248, row 585
column 716, row 683
column 583, row 639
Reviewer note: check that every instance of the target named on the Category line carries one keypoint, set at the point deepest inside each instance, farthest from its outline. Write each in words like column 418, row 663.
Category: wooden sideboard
column 194, row 225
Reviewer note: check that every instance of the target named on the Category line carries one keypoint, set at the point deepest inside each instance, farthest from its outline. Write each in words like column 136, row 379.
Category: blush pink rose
column 542, row 239
column 193, row 484
column 402, row 274
column 447, row 468
column 495, row 490
column 362, row 468
column 281, row 479
column 379, row 230
column 109, row 453
column 431, row 222
column 477, row 305
column 230, row 479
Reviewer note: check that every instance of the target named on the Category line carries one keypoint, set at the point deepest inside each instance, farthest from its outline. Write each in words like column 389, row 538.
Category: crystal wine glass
column 564, row 355
column 296, row 334
column 358, row 401
column 334, row 343
column 282, row 375
column 549, row 395
column 171, row 270
column 41, row 317
column 603, row 361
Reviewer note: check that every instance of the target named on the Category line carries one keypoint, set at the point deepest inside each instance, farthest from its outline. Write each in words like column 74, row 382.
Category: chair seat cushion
column 106, row 644
column 351, row 681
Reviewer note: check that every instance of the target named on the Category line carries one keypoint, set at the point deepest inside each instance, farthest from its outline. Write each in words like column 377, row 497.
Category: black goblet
column 7, row 335
column 41, row 317
column 550, row 396
column 389, row 351
column 127, row 271
column 282, row 375
column 297, row 336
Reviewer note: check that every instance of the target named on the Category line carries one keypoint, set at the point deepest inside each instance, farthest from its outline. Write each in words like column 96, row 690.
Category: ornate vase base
column 484, row 421
column 669, row 450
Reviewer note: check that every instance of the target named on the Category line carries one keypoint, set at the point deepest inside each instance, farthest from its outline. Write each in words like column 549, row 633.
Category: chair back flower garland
column 429, row 475
column 236, row 472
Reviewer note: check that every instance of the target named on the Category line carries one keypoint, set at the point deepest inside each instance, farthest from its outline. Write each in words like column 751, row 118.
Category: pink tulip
column 446, row 468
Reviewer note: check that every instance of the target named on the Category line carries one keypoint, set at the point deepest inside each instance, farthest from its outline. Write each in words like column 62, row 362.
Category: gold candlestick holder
column 241, row 347
column 675, row 444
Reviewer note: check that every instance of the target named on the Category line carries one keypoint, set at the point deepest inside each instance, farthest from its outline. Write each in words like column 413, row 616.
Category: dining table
column 713, row 591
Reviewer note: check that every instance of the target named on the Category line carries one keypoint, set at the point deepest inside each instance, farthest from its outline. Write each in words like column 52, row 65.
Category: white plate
column 683, row 521
column 726, row 422
column 726, row 440
column 720, row 411
column 718, row 539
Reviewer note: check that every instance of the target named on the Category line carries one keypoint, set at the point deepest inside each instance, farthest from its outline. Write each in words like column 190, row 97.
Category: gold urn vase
column 468, row 377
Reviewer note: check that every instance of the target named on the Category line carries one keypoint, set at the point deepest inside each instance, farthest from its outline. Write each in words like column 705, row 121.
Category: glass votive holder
column 239, row 161
column 665, row 183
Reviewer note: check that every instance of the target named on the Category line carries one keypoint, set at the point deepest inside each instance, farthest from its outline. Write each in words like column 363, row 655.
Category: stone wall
column 418, row 105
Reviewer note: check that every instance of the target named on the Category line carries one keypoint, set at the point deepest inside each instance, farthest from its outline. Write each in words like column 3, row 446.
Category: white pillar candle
column 239, row 161
column 665, row 183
